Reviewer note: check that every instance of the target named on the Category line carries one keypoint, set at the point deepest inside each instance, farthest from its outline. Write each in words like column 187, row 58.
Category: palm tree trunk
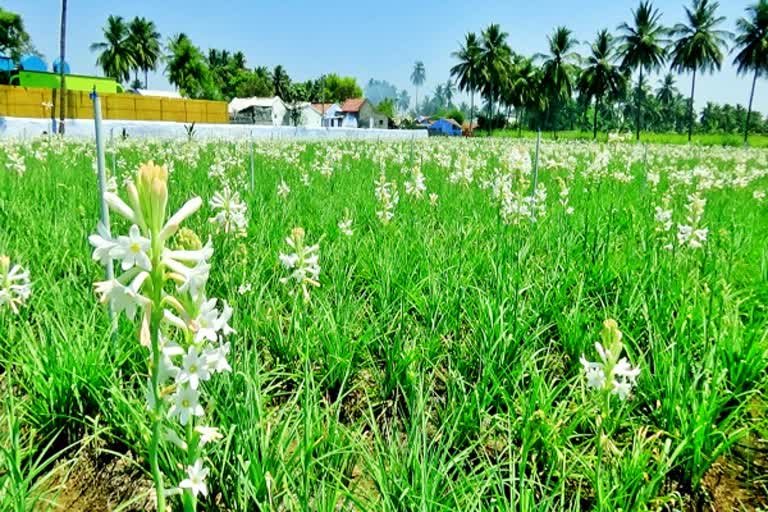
column 146, row 81
column 490, row 117
column 471, row 109
column 637, row 102
column 416, row 105
column 690, row 106
column 749, row 110
column 62, row 85
column 594, row 121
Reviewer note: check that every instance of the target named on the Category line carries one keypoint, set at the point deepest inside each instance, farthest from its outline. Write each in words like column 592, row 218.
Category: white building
column 310, row 117
column 262, row 111
column 332, row 116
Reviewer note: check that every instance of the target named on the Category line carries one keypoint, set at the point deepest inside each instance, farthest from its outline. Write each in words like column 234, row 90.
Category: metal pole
column 410, row 162
column 251, row 143
column 109, row 272
column 62, row 75
column 536, row 163
column 112, row 145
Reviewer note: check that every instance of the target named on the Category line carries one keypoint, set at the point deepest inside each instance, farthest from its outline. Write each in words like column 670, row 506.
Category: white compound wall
column 23, row 128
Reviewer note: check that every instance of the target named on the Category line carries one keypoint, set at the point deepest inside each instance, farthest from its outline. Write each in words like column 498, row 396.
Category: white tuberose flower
column 209, row 322
column 15, row 287
column 345, row 226
column 186, row 403
column 103, row 245
column 132, row 249
column 194, row 369
column 195, row 480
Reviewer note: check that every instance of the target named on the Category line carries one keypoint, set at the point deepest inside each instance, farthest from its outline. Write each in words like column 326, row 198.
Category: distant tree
column 601, row 76
column 280, row 81
column 449, row 89
column 187, row 69
column 255, row 83
column 144, row 41
column 496, row 58
column 667, row 90
column 559, row 67
column 238, row 60
column 468, row 72
column 387, row 107
column 699, row 45
column 526, row 91
column 377, row 91
column 439, row 96
column 337, row 89
column 117, row 57
column 403, row 101
column 643, row 47
column 418, row 77
column 14, row 39
column 456, row 115
column 752, row 47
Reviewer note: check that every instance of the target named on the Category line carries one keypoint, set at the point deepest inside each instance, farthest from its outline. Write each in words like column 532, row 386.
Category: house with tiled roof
column 360, row 113
column 330, row 113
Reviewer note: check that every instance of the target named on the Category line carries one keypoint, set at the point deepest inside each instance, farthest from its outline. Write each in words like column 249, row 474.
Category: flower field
column 438, row 325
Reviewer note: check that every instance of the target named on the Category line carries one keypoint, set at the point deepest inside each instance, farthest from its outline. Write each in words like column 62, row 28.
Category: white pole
column 536, row 163
column 250, row 139
column 109, row 270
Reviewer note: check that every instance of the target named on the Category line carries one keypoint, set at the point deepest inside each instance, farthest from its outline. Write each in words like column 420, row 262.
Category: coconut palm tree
column 418, row 77
column 496, row 58
column 524, row 89
column 469, row 71
column 667, row 91
column 643, row 47
column 403, row 101
column 116, row 58
column 601, row 75
column 559, row 67
column 281, row 82
column 238, row 60
column 144, row 40
column 752, row 47
column 185, row 66
column 699, row 45
column 439, row 95
column 449, row 90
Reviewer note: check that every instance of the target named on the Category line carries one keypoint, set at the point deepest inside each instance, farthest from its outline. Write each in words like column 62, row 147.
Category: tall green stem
column 156, row 317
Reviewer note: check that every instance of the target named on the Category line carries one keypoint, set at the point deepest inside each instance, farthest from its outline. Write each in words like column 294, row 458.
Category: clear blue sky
column 362, row 39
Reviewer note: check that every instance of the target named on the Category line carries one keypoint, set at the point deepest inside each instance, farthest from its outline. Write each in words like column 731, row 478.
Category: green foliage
column 337, row 89
column 387, row 107
column 14, row 39
column 117, row 55
column 455, row 114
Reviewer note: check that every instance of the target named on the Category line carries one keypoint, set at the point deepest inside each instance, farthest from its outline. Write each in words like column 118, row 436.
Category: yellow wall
column 29, row 102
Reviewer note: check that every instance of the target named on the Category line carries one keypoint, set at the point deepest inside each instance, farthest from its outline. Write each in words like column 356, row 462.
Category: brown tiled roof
column 322, row 107
column 352, row 105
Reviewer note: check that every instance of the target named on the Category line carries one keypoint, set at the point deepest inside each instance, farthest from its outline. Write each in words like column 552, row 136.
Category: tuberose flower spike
column 185, row 355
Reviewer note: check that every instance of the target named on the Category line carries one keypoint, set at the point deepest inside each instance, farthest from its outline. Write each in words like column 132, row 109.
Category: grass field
column 443, row 361
column 733, row 140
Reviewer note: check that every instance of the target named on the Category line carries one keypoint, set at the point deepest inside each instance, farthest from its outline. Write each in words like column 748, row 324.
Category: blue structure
column 33, row 63
column 56, row 67
column 6, row 64
column 445, row 126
